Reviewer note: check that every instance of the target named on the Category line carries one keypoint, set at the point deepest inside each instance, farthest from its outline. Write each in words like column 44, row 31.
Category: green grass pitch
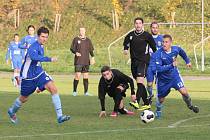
column 37, row 119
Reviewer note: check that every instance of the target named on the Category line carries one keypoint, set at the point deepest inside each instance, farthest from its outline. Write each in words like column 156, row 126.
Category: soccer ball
column 147, row 116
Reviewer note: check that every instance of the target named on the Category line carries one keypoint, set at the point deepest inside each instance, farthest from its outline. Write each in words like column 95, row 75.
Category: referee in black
column 139, row 42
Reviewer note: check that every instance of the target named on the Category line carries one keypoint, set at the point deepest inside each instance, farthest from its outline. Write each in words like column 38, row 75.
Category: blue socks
column 16, row 105
column 149, row 89
column 57, row 104
column 159, row 106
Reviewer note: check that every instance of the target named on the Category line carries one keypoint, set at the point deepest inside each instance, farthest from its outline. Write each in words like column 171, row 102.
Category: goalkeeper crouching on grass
column 114, row 83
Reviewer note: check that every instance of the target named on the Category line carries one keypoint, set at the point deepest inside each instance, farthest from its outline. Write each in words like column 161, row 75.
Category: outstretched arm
column 33, row 54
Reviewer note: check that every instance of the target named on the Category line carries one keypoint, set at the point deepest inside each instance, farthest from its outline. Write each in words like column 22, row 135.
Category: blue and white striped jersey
column 32, row 67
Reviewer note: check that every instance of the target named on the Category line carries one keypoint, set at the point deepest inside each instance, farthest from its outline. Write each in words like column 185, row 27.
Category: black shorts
column 138, row 69
column 82, row 68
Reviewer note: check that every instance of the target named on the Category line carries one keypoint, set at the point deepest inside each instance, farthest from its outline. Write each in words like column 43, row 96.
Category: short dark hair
column 105, row 68
column 138, row 18
column 167, row 36
column 16, row 35
column 42, row 30
column 30, row 26
column 154, row 22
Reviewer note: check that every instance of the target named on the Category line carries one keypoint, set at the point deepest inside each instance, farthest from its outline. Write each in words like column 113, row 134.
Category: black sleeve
column 126, row 79
column 102, row 101
column 91, row 54
column 91, row 48
column 101, row 94
column 73, row 46
column 151, row 42
column 126, row 42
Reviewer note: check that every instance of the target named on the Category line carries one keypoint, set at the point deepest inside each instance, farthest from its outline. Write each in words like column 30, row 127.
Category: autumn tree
column 116, row 13
column 169, row 11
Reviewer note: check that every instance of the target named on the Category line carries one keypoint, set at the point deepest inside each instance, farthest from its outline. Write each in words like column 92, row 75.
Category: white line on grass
column 99, row 131
column 185, row 120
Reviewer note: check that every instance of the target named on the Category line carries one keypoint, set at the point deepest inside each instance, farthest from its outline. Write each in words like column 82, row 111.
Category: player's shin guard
column 16, row 105
column 57, row 105
column 187, row 100
column 85, row 83
column 159, row 105
column 75, row 83
column 142, row 93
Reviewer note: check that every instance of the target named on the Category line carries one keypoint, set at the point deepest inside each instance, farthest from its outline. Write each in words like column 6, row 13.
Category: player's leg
column 134, row 103
column 27, row 88
column 163, row 89
column 85, row 80
column 150, row 79
column 141, row 90
column 14, row 66
column 17, row 77
column 186, row 98
column 78, row 70
column 50, row 86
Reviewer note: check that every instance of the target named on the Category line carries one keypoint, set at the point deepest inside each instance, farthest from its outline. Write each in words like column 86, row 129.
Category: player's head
column 138, row 23
column 106, row 72
column 167, row 42
column 31, row 30
column 43, row 34
column 154, row 28
column 82, row 31
column 16, row 37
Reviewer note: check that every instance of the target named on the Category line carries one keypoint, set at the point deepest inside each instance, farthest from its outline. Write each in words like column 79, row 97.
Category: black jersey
column 109, row 86
column 139, row 44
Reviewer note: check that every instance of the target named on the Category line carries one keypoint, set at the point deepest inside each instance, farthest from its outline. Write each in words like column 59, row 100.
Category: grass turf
column 37, row 119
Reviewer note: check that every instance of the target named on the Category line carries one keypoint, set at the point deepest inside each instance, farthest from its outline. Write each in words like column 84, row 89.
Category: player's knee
column 85, row 75
column 140, row 80
column 23, row 99
column 77, row 77
column 53, row 90
column 149, row 84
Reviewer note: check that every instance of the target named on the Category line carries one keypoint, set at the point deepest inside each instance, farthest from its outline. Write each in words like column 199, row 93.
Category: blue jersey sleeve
column 23, row 44
column 33, row 54
column 183, row 54
column 159, row 65
column 8, row 54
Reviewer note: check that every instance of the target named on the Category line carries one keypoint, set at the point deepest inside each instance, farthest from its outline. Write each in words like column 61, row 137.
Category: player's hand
column 189, row 65
column 133, row 98
column 92, row 61
column 125, row 52
column 54, row 59
column 78, row 54
column 121, row 88
column 102, row 114
column 7, row 62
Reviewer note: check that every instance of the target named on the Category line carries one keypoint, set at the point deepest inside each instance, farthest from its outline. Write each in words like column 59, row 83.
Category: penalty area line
column 185, row 120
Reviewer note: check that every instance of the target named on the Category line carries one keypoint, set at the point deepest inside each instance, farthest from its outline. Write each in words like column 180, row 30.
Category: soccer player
column 168, row 75
column 151, row 71
column 82, row 47
column 26, row 42
column 114, row 83
column 33, row 77
column 16, row 55
column 139, row 42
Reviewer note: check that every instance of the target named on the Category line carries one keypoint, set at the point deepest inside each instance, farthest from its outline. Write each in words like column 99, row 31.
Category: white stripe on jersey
column 26, row 67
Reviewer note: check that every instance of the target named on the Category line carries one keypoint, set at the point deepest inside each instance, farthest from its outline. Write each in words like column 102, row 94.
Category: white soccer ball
column 147, row 116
